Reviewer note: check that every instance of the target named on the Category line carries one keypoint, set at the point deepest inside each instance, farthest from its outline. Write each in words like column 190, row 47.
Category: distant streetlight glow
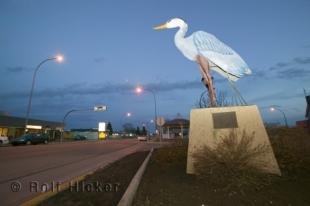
column 59, row 58
column 139, row 89
column 128, row 114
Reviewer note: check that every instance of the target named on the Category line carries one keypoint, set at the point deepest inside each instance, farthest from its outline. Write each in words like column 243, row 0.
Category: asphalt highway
column 28, row 171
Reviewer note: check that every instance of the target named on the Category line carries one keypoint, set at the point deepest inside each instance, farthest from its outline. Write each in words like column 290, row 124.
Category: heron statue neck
column 183, row 44
column 181, row 32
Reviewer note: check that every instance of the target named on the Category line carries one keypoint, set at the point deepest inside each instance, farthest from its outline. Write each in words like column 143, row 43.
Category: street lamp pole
column 96, row 109
column 58, row 58
column 139, row 90
column 66, row 115
column 284, row 116
column 155, row 109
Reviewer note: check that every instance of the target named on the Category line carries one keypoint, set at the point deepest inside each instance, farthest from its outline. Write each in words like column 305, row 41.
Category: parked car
column 80, row 137
column 4, row 140
column 30, row 138
column 142, row 138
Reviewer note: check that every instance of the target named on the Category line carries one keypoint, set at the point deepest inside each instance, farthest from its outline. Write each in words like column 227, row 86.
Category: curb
column 131, row 190
column 63, row 186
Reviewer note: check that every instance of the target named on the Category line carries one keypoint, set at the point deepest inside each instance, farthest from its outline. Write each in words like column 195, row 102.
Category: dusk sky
column 110, row 47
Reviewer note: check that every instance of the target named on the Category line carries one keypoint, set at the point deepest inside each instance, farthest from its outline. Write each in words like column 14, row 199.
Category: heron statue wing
column 223, row 59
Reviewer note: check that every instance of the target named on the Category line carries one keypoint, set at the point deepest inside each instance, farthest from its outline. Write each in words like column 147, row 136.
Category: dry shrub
column 233, row 162
column 292, row 150
column 180, row 142
column 171, row 155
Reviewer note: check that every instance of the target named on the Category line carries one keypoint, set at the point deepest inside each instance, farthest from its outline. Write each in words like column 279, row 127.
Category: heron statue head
column 172, row 23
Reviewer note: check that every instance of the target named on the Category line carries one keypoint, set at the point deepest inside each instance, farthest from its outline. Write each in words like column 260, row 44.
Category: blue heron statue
column 210, row 53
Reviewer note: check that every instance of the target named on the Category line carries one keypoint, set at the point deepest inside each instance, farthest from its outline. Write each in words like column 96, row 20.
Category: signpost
column 102, row 130
column 160, row 121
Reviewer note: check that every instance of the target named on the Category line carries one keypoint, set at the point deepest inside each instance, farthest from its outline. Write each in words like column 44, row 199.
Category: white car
column 142, row 138
column 4, row 140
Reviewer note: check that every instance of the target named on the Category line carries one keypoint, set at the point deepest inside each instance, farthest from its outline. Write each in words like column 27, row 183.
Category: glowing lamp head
column 59, row 58
column 139, row 90
column 272, row 109
column 128, row 114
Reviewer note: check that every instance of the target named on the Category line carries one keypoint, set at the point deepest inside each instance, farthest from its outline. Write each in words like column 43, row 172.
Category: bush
column 292, row 150
column 233, row 162
column 174, row 154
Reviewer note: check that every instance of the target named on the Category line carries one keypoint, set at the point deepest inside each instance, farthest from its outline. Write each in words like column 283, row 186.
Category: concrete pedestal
column 209, row 125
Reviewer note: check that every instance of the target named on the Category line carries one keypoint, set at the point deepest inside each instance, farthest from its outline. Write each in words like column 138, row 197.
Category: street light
column 274, row 108
column 139, row 90
column 59, row 58
column 128, row 114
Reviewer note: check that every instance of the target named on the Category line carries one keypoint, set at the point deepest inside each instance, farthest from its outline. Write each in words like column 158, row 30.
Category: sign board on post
column 102, row 128
column 28, row 126
column 100, row 108
column 102, row 135
column 160, row 121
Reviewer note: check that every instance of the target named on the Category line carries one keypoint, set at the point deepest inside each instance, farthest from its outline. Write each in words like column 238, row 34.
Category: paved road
column 55, row 163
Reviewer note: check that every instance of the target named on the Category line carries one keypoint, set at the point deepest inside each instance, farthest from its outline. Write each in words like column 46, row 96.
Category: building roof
column 84, row 130
column 10, row 121
column 177, row 122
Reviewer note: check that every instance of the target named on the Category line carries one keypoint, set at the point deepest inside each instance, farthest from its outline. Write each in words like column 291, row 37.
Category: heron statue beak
column 160, row 27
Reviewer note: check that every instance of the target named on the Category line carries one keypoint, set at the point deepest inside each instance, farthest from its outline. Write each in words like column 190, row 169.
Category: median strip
column 102, row 187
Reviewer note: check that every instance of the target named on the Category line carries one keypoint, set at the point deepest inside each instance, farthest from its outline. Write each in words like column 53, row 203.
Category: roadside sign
column 160, row 121
column 102, row 127
column 100, row 108
column 102, row 135
column 28, row 126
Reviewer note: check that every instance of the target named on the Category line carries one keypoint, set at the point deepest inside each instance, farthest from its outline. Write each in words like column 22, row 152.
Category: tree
column 128, row 128
column 138, row 132
column 109, row 128
column 144, row 132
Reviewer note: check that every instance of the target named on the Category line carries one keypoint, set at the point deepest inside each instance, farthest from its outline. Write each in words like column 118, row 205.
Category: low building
column 91, row 134
column 302, row 124
column 308, row 107
column 15, row 126
column 305, row 123
column 176, row 128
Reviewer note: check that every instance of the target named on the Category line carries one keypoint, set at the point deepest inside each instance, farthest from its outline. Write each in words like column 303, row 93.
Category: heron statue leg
column 207, row 78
